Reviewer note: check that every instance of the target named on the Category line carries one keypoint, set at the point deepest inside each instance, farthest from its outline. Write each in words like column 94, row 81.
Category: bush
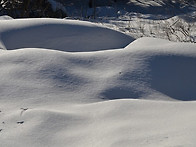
column 30, row 8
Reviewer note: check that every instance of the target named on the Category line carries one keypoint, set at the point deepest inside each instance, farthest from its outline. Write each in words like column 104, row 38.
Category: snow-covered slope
column 127, row 96
column 125, row 123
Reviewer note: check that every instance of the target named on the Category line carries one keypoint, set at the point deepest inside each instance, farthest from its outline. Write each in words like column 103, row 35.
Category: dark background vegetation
column 29, row 8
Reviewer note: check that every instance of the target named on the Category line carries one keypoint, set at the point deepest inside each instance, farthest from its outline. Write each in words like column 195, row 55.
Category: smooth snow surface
column 64, row 35
column 139, row 95
column 5, row 17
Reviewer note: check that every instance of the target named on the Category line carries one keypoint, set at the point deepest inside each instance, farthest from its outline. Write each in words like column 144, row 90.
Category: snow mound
column 147, row 68
column 5, row 17
column 64, row 35
column 171, row 67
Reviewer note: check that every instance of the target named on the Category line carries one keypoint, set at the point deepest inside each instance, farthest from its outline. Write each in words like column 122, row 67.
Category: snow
column 5, row 17
column 111, row 123
column 180, row 28
column 147, row 3
column 112, row 92
column 34, row 33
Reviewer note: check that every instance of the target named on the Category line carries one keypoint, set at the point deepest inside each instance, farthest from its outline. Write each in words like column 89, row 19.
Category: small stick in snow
column 23, row 109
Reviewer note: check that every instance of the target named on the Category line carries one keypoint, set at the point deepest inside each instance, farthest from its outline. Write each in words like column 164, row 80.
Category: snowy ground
column 166, row 19
column 178, row 28
column 73, row 83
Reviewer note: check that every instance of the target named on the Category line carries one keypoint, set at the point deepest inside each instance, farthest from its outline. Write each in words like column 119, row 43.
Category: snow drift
column 57, row 98
column 64, row 35
column 139, row 70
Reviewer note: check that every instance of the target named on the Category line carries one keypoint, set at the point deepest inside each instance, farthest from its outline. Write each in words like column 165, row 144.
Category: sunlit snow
column 75, row 83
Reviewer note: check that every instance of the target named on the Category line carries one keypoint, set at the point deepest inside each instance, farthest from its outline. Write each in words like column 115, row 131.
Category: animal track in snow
column 20, row 122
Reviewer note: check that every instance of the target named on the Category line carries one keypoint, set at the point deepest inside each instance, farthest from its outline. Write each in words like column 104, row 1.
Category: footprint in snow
column 20, row 122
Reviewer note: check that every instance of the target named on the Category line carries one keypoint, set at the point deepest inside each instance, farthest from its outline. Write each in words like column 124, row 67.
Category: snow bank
column 147, row 68
column 5, row 17
column 57, row 98
column 64, row 35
